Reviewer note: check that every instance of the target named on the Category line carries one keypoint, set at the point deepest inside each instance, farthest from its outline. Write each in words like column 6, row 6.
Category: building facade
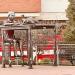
column 45, row 9
column 48, row 11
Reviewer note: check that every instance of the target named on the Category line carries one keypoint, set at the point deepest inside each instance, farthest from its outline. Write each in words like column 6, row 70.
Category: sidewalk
column 38, row 70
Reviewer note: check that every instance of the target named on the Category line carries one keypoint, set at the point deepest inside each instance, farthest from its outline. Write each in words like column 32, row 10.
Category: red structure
column 49, row 47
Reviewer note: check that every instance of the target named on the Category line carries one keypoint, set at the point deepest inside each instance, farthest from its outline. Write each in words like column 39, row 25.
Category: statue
column 11, row 19
column 28, row 20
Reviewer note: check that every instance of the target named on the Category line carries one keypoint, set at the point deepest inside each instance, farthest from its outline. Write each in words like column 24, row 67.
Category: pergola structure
column 28, row 28
column 49, row 26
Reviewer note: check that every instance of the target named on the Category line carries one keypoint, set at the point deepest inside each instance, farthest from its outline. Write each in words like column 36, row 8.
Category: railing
column 66, row 54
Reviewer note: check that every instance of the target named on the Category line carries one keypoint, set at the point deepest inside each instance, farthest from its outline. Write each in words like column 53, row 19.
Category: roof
column 14, row 26
column 54, row 16
column 42, row 16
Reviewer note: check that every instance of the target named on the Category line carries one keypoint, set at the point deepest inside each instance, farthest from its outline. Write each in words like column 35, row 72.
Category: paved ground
column 38, row 70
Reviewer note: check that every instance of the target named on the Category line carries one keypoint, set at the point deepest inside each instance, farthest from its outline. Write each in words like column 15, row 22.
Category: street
column 38, row 70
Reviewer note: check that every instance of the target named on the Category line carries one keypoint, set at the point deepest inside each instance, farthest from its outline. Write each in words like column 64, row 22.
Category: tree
column 69, row 34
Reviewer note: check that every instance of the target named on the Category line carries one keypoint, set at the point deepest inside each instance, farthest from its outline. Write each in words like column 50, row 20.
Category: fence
column 66, row 54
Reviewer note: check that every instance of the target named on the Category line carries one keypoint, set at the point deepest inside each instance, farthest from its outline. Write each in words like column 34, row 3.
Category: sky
column 54, row 5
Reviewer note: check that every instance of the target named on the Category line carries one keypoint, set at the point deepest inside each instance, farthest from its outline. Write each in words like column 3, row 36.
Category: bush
column 21, row 62
column 45, row 61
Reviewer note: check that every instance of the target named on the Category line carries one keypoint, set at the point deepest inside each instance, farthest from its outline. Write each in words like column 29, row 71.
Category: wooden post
column 29, row 49
column 3, row 51
column 58, row 55
column 10, row 62
column 55, row 50
column 21, row 50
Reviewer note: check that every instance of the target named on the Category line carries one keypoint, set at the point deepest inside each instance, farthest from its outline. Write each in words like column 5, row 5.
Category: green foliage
column 45, row 61
column 69, row 34
column 20, row 62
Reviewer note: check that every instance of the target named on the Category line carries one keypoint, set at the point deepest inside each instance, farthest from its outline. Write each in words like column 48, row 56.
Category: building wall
column 44, row 9
column 53, row 5
column 20, row 5
column 53, row 9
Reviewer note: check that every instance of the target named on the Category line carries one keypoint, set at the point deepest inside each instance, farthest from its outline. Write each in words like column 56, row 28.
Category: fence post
column 58, row 55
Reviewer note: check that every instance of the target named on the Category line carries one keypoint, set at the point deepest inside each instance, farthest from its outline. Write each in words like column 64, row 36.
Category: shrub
column 45, row 61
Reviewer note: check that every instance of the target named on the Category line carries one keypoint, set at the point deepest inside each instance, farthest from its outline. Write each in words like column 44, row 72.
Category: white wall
column 54, row 5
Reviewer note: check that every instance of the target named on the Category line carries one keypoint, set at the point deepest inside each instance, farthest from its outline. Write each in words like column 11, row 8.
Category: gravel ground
column 38, row 70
